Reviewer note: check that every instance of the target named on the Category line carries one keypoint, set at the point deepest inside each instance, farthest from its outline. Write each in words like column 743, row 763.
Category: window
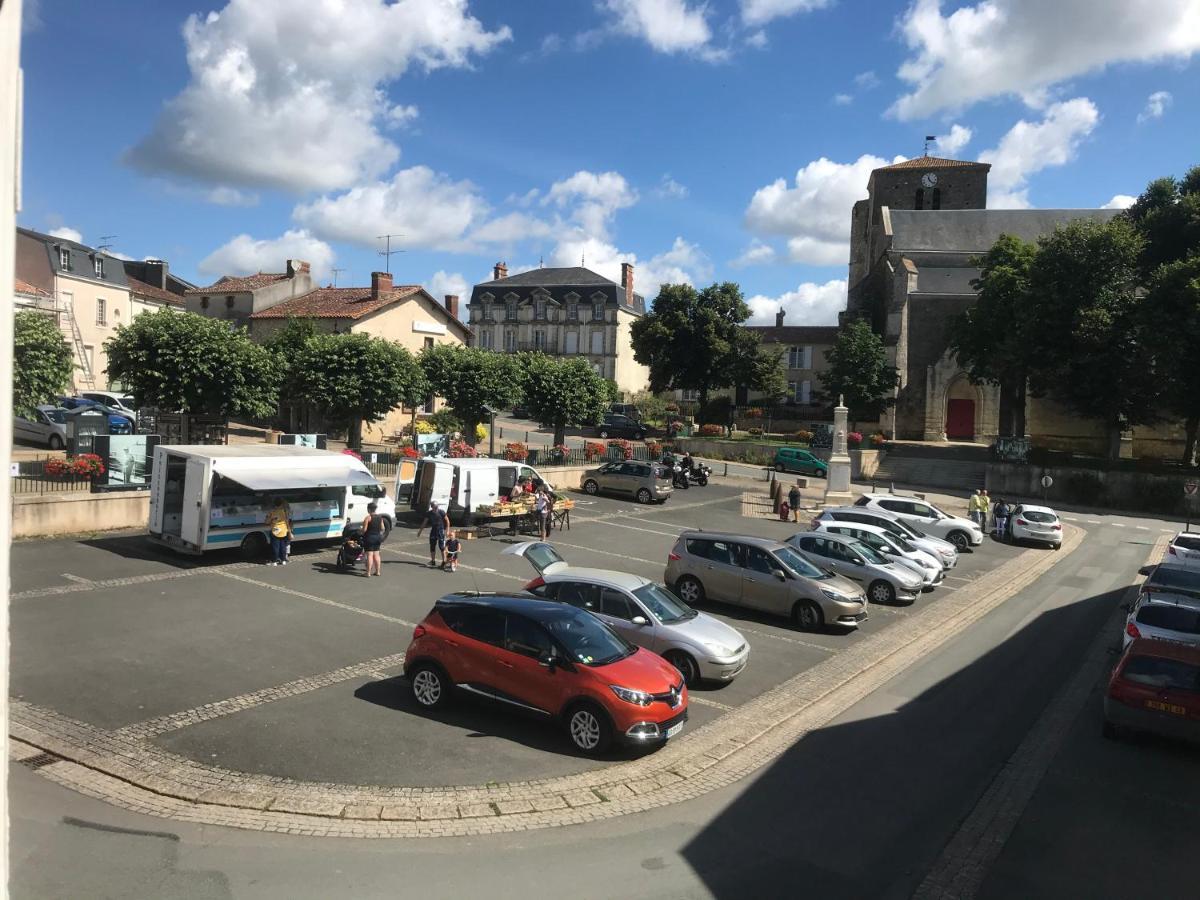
column 690, row 395
column 804, row 392
column 573, row 310
column 510, row 341
column 758, row 560
column 526, row 638
column 819, row 546
column 616, row 604
column 597, row 342
column 64, row 259
column 597, row 312
column 539, row 310
column 800, row 357
column 937, row 198
column 665, row 605
column 510, row 310
column 539, row 340
column 428, row 342
column 572, row 342
column 98, row 266
column 713, row 551
column 799, row 564
column 204, row 303
column 1157, row 672
column 101, row 311
column 576, row 593
column 919, row 203
column 486, row 625
column 1172, row 618
column 487, row 312
column 485, row 338
column 89, row 353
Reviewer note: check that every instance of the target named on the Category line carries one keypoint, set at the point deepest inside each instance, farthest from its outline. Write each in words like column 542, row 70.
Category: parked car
column 123, row 403
column 946, row 552
column 924, row 516
column 118, row 422
column 1035, row 523
column 644, row 481
column 47, row 426
column 626, row 409
column 1184, row 549
column 1164, row 616
column 1171, row 577
column 644, row 613
column 614, row 425
column 884, row 581
column 1154, row 687
column 549, row 659
column 520, row 411
column 793, row 459
column 763, row 574
column 891, row 547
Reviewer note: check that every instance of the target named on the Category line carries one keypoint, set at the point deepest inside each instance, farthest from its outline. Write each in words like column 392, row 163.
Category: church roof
column 976, row 230
column 934, row 162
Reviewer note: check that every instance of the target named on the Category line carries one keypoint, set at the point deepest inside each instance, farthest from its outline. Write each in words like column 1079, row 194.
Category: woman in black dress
column 372, row 537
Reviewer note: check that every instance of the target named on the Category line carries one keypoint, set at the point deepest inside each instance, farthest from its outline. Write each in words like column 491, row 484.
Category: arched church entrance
column 962, row 402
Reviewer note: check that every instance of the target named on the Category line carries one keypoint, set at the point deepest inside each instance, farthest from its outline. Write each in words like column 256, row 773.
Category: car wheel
column 690, row 590
column 55, row 442
column 960, row 541
column 686, row 665
column 778, row 467
column 387, row 529
column 808, row 616
column 643, row 496
column 603, row 432
column 882, row 592
column 590, row 487
column 589, row 729
column 254, row 545
column 430, row 687
column 1058, row 546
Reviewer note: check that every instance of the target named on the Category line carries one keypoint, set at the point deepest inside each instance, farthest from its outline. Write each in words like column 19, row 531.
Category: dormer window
column 597, row 312
column 572, row 310
column 539, row 309
column 98, row 265
column 64, row 259
column 510, row 310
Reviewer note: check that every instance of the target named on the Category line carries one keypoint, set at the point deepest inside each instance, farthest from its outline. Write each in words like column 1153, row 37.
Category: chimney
column 381, row 283
column 296, row 267
column 452, row 304
column 156, row 273
column 627, row 282
column 500, row 271
column 779, row 319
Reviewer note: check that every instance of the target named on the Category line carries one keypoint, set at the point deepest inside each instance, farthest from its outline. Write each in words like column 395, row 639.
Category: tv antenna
column 387, row 252
column 335, row 271
column 106, row 241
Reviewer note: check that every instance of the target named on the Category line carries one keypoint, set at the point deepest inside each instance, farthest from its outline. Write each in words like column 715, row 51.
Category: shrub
column 711, row 430
column 804, row 437
column 444, row 421
column 461, row 450
column 854, row 439
column 593, row 450
column 481, row 433
column 516, row 452
column 424, row 426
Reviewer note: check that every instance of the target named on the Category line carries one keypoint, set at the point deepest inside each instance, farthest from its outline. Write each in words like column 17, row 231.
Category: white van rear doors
column 195, row 511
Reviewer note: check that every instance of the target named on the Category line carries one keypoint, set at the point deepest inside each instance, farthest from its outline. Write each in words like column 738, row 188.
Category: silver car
column 945, row 551
column 884, row 580
column 47, row 427
column 895, row 549
column 700, row 647
column 962, row 533
column 764, row 574
column 1164, row 617
column 645, row 482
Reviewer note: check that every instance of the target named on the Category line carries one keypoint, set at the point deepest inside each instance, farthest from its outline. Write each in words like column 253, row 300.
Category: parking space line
column 783, row 637
column 652, row 562
column 635, row 528
column 1093, row 521
column 78, row 579
column 704, row 701
column 315, row 599
column 1142, row 527
column 485, row 571
column 84, row 585
column 1118, row 524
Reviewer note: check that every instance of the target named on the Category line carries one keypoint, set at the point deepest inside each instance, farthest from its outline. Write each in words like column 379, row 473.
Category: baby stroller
column 351, row 550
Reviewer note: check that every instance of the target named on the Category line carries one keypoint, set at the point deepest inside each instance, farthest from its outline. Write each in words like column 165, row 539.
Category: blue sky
column 702, row 141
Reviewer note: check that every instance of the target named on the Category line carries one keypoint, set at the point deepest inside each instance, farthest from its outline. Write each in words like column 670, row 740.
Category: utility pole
column 335, row 271
column 387, row 252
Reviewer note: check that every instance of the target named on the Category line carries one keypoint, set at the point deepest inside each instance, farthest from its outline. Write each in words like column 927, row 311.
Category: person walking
column 986, row 505
column 372, row 538
column 279, row 523
column 438, row 523
column 541, row 507
column 794, row 502
column 1000, row 517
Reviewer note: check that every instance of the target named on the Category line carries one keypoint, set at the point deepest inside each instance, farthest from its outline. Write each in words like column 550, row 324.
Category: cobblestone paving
column 123, row 768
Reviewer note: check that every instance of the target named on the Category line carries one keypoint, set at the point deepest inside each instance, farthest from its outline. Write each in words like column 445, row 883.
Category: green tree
column 1172, row 308
column 1084, row 330
column 42, row 365
column 562, row 392
column 1167, row 215
column 184, row 362
column 650, row 406
column 355, row 377
column 991, row 340
column 471, row 380
column 859, row 372
column 286, row 344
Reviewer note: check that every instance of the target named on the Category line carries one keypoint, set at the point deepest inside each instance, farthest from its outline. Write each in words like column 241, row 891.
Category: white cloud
column 866, row 80
column 669, row 188
column 1156, row 104
column 593, row 198
column 400, row 115
column 67, row 234
column 1120, row 201
column 425, row 208
column 1024, row 47
column 952, row 143
column 289, row 93
column 243, row 255
column 759, row 12
column 1029, row 147
column 756, row 254
column 809, row 304
column 814, row 212
column 227, row 196
column 683, row 263
column 669, row 26
column 757, row 39
column 843, row 99
column 510, row 229
column 442, row 283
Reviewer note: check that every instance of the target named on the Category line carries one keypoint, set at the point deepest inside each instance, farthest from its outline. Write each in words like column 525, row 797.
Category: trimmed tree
column 188, row 363
column 355, row 377
column 470, row 380
column 286, row 344
column 1172, row 308
column 562, row 392
column 859, row 372
column 42, row 365
column 1167, row 215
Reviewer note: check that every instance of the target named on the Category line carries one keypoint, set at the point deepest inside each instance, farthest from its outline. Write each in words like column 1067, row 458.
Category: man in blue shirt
column 439, row 524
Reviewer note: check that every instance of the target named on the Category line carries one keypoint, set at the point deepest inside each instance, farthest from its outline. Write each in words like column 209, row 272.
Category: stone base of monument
column 837, row 479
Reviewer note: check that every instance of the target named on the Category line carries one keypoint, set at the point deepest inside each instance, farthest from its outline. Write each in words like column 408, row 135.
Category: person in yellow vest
column 977, row 507
column 279, row 523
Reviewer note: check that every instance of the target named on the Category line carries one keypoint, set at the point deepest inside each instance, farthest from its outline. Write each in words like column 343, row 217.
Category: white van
column 462, row 486
column 213, row 497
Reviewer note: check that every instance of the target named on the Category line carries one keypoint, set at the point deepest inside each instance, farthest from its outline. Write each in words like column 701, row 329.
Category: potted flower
column 56, row 468
column 593, row 450
column 854, row 439
column 559, row 453
column 409, row 453
column 461, row 450
column 712, row 431
column 654, row 449
column 878, row 439
column 620, row 448
column 516, row 452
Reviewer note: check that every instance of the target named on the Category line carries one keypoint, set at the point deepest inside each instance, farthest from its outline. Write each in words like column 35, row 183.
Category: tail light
column 419, row 632
column 1022, row 522
column 1171, row 550
column 1131, row 629
column 673, row 557
column 536, row 583
column 1056, row 527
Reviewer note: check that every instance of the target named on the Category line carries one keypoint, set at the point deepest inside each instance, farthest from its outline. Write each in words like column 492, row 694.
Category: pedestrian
column 541, row 507
column 987, row 505
column 977, row 507
column 372, row 537
column 439, row 524
column 1000, row 516
column 794, row 502
column 453, row 547
column 279, row 523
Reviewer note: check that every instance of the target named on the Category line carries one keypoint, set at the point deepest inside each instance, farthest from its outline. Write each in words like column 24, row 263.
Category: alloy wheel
column 691, row 591
column 427, row 687
column 585, row 729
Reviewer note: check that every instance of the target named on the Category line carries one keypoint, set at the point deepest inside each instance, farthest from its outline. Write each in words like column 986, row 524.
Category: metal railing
column 32, row 478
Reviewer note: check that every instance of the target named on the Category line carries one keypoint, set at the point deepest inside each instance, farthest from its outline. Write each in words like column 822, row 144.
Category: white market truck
column 470, row 490
column 215, row 497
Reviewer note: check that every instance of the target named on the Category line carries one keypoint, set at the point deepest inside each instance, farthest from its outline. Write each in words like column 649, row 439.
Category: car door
column 823, row 552
column 477, row 637
column 718, row 567
column 762, row 588
column 523, row 679
column 618, row 610
column 633, row 477
column 24, row 429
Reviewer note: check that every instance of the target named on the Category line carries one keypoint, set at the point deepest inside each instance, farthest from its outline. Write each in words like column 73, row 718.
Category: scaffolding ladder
column 67, row 310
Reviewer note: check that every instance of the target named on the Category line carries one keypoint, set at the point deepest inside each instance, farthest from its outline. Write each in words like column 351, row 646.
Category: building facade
column 236, row 298
column 571, row 312
column 801, row 350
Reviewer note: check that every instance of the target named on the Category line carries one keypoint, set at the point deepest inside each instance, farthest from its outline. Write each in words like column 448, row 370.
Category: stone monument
column 837, row 481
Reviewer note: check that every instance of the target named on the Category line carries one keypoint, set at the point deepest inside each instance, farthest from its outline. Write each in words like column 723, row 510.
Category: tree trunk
column 354, row 439
column 469, row 431
column 1190, row 427
column 560, row 434
column 1115, row 427
column 1020, row 407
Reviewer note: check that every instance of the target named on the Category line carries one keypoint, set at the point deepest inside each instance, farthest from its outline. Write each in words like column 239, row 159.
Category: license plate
column 674, row 730
column 1167, row 707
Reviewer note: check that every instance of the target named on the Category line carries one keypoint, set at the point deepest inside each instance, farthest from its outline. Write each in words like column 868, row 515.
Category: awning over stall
column 282, row 479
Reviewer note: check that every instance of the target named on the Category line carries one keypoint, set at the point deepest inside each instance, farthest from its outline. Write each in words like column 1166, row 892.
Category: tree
column 188, row 363
column 42, row 365
column 562, row 392
column 354, row 377
column 286, row 345
column 991, row 340
column 470, row 380
column 859, row 372
column 1167, row 215
column 1084, row 328
column 1172, row 307
column 651, row 407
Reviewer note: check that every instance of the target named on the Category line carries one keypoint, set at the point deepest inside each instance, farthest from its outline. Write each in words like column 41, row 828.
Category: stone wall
column 36, row 515
column 1111, row 489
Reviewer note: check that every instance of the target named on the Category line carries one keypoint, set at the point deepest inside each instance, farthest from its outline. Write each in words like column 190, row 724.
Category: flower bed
column 516, row 452
column 85, row 465
column 593, row 451
column 621, row 446
column 462, row 450
column 712, row 431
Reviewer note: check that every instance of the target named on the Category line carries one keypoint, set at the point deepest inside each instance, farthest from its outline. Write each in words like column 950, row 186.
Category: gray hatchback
column 646, row 482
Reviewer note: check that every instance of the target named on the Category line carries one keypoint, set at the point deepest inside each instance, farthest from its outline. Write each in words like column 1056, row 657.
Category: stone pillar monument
column 837, row 483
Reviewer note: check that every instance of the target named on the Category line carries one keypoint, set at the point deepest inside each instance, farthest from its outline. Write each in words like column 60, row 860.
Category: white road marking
column 1142, row 527
column 315, row 599
column 1093, row 521
column 781, row 637
column 652, row 562
column 635, row 528
column 704, row 701
column 1118, row 524
column 78, row 579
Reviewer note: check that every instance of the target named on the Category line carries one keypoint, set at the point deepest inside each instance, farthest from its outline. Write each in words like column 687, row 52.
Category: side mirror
column 1146, row 570
column 780, row 574
column 639, row 621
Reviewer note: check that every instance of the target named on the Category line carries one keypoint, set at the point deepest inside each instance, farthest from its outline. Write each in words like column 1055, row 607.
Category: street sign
column 1047, row 481
column 1189, row 488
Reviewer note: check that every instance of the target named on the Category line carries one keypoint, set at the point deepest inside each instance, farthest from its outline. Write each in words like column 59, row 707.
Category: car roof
column 1031, row 508
column 1170, row 597
column 872, row 529
column 623, row 580
column 1178, row 534
column 833, row 536
column 1165, row 650
column 526, row 604
column 862, row 510
column 767, row 543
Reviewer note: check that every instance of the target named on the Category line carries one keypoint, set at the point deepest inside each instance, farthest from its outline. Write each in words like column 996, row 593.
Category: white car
column 924, row 516
column 1164, row 617
column 892, row 547
column 1184, row 549
column 123, row 403
column 1035, row 523
column 944, row 551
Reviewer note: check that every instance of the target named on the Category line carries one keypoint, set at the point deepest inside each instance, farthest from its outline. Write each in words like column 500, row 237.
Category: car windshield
column 799, row 564
column 1177, row 578
column 587, row 640
column 1158, row 672
column 900, row 543
column 1187, row 542
column 1034, row 515
column 1184, row 619
column 867, row 553
column 906, row 528
column 663, row 604
column 56, row 415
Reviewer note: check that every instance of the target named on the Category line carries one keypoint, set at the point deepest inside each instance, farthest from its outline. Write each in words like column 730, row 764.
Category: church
column 913, row 245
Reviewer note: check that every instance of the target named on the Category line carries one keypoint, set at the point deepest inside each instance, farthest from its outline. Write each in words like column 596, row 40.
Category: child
column 452, row 548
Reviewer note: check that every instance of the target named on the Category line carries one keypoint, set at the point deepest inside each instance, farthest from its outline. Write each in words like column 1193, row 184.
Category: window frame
column 102, row 312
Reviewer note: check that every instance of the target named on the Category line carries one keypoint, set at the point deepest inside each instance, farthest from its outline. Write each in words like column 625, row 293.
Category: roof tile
column 336, row 303
column 240, row 282
column 934, row 162
column 154, row 293
column 24, row 287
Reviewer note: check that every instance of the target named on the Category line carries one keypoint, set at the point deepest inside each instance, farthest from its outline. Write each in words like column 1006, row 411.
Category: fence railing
column 32, row 478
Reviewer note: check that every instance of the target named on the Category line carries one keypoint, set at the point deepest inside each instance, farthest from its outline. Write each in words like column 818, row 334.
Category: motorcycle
column 699, row 474
column 679, row 478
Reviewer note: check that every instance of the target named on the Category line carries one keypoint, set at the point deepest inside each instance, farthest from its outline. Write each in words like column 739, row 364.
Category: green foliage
column 859, row 372
column 651, row 407
column 471, row 379
column 1172, row 307
column 1167, row 215
column 184, row 362
column 42, row 364
column 562, row 392
column 286, row 344
column 444, row 421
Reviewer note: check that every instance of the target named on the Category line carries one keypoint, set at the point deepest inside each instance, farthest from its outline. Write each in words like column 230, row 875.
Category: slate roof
column 934, row 162
column 82, row 259
column 558, row 283
column 337, row 303
column 795, row 334
column 142, row 289
column 575, row 275
column 976, row 230
column 236, row 283
column 24, row 287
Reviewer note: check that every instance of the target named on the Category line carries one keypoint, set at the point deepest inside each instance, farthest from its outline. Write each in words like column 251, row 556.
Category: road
column 861, row 808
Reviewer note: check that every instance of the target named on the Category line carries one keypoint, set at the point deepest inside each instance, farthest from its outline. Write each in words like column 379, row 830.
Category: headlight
column 717, row 649
column 835, row 596
column 637, row 698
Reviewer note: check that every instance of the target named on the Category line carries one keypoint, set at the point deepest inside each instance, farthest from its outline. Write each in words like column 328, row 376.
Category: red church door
column 960, row 419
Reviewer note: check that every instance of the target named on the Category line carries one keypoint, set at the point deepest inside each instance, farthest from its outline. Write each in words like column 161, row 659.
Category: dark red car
column 1155, row 687
column 548, row 659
